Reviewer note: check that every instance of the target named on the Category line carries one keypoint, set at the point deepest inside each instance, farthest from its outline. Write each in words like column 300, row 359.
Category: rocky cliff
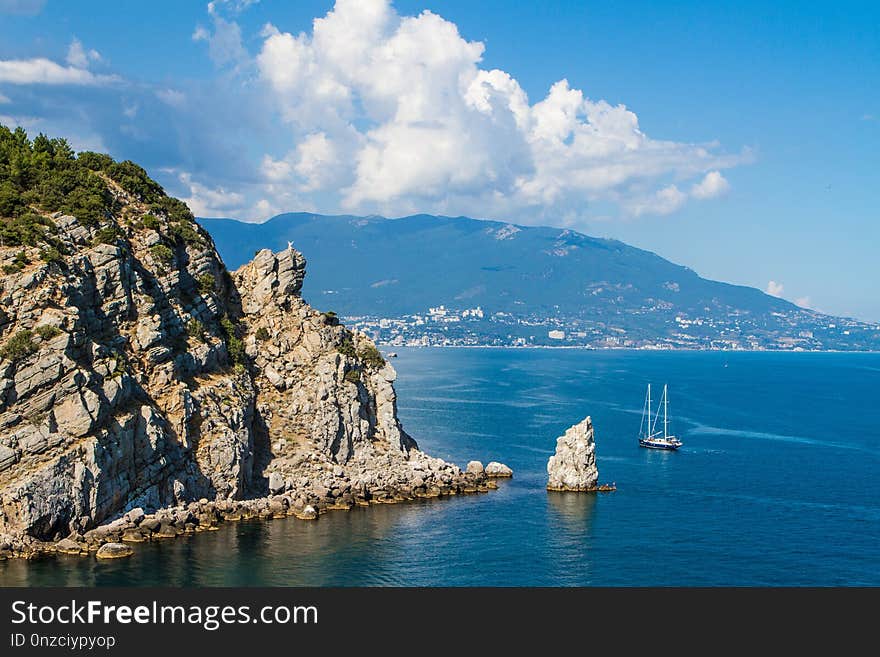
column 573, row 466
column 137, row 374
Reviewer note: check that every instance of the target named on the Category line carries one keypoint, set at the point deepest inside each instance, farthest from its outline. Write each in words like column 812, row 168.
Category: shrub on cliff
column 150, row 221
column 162, row 254
column 18, row 263
column 18, row 346
column 346, row 348
column 234, row 345
column 174, row 209
column 134, row 180
column 368, row 355
column 185, row 232
column 47, row 332
column 195, row 329
column 107, row 235
column 27, row 230
column 51, row 255
column 206, row 283
column 371, row 357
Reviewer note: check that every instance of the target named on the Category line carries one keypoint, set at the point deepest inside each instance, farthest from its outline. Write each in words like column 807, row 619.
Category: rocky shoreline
column 108, row 541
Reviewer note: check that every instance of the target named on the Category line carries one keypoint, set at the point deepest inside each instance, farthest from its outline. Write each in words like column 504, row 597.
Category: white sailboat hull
column 670, row 443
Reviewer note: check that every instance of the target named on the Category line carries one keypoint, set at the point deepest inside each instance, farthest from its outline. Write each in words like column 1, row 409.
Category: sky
column 739, row 139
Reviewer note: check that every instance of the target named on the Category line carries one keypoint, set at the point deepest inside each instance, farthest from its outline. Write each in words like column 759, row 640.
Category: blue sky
column 747, row 148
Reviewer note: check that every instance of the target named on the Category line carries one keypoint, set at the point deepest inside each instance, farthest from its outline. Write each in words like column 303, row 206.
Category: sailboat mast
column 648, row 429
column 665, row 420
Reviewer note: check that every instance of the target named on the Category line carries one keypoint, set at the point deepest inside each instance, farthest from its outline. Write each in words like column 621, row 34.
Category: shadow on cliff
column 256, row 484
column 120, row 429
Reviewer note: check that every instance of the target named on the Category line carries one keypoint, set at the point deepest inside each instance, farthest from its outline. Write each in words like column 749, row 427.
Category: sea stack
column 573, row 466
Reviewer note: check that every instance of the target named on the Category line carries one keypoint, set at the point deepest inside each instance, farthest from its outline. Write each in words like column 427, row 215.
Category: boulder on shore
column 67, row 546
column 308, row 513
column 474, row 467
column 114, row 551
column 573, row 466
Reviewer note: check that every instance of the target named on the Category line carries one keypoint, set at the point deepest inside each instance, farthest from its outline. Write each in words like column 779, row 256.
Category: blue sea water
column 777, row 483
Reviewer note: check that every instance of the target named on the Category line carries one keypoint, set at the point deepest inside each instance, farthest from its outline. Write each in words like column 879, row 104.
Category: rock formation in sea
column 498, row 470
column 145, row 391
column 573, row 466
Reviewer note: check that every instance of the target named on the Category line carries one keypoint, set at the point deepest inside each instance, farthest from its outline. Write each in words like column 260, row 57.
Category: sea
column 776, row 484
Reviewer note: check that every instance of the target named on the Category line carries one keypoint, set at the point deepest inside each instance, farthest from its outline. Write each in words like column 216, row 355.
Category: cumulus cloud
column 41, row 70
column 774, row 289
column 803, row 302
column 45, row 71
column 4, row 99
column 665, row 201
column 399, row 110
column 713, row 184
column 371, row 111
column 210, row 202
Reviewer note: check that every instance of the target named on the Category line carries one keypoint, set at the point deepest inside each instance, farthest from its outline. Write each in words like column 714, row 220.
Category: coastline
column 136, row 526
column 389, row 347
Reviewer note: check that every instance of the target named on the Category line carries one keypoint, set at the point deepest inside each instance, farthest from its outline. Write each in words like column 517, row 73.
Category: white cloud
column 713, row 184
column 45, row 71
column 22, row 7
column 264, row 209
column 774, row 289
column 79, row 57
column 224, row 42
column 372, row 111
column 393, row 113
column 210, row 202
column 4, row 99
column 803, row 302
column 665, row 201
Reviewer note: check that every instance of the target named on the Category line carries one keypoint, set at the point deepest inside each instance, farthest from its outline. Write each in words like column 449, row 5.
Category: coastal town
column 650, row 328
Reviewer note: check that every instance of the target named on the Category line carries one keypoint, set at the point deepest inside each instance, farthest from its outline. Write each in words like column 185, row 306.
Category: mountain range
column 491, row 282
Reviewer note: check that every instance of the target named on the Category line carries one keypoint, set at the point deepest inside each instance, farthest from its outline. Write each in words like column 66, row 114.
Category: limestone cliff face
column 137, row 372
column 315, row 388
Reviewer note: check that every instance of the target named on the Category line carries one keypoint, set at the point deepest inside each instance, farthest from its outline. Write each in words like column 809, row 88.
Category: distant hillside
column 543, row 278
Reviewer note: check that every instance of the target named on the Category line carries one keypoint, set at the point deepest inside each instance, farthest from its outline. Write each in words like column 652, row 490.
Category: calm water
column 776, row 484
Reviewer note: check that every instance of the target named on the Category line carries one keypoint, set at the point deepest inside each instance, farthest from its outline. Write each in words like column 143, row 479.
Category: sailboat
column 648, row 435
